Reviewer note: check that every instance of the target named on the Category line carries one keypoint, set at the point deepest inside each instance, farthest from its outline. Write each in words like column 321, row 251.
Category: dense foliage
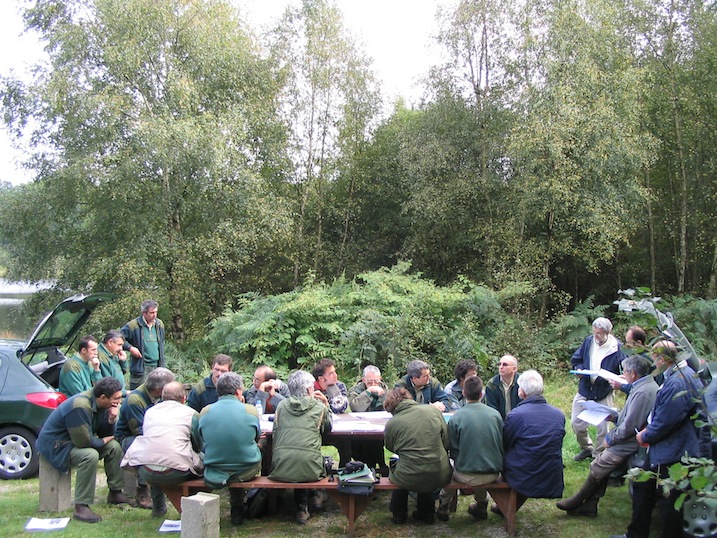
column 389, row 317
column 562, row 150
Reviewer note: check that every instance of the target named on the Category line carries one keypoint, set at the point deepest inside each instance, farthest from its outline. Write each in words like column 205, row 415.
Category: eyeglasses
column 504, row 364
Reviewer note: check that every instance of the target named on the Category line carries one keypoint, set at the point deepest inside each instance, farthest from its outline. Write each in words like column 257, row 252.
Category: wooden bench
column 352, row 506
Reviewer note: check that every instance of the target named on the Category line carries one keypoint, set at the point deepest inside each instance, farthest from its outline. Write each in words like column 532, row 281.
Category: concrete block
column 130, row 482
column 55, row 488
column 200, row 516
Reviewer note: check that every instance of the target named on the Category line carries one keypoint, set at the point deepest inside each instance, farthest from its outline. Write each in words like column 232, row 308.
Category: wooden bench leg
column 175, row 493
column 507, row 501
column 352, row 506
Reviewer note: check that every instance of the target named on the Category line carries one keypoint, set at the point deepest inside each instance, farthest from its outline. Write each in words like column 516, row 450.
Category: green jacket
column 132, row 332
column 111, row 366
column 77, row 376
column 476, row 435
column 298, row 425
column 229, row 430
column 361, row 400
column 419, row 435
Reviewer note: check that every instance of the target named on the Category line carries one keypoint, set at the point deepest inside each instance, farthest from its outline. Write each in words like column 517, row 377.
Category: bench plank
column 352, row 506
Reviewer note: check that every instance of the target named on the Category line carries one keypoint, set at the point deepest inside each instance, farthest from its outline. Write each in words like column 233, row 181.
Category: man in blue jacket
column 533, row 439
column 601, row 350
column 670, row 434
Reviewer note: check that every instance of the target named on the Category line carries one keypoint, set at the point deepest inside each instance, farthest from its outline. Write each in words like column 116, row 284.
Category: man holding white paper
column 601, row 350
column 620, row 443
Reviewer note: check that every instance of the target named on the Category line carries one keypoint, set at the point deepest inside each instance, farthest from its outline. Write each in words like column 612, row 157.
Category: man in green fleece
column 476, row 435
column 229, row 431
column 82, row 371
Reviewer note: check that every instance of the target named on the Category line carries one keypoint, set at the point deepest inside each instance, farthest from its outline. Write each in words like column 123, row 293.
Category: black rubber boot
column 587, row 490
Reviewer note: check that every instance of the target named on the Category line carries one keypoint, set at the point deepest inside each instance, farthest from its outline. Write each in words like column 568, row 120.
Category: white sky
column 397, row 34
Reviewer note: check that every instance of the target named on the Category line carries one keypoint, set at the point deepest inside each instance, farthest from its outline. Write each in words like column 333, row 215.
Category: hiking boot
column 142, row 498
column 494, row 508
column 159, row 512
column 84, row 513
column 426, row 517
column 583, row 454
column 442, row 516
column 317, row 498
column 117, row 497
column 302, row 514
column 478, row 510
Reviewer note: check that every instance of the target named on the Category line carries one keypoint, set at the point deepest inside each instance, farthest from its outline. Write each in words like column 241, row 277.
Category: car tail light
column 46, row 399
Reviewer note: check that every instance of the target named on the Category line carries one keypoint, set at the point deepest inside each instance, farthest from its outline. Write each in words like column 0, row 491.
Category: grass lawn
column 538, row 518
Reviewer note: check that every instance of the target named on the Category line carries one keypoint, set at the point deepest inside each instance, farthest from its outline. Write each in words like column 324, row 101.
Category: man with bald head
column 167, row 452
column 501, row 392
column 266, row 389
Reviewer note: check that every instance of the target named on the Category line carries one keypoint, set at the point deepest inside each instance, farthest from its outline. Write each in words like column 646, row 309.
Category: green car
column 29, row 375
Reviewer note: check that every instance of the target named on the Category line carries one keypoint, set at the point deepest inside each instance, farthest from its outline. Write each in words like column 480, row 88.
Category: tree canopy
column 565, row 149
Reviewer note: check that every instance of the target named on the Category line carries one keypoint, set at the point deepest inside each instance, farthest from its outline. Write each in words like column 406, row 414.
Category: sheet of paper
column 606, row 374
column 39, row 524
column 378, row 415
column 171, row 525
column 356, row 426
column 593, row 417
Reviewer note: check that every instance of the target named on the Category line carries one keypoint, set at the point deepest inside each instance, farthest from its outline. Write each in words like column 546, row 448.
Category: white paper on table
column 171, row 525
column 355, row 426
column 39, row 524
column 368, row 415
column 266, row 425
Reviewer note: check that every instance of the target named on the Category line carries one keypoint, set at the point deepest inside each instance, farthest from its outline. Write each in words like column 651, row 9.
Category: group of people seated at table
column 169, row 436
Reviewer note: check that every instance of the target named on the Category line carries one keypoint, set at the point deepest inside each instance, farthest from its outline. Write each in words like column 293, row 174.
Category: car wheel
column 18, row 454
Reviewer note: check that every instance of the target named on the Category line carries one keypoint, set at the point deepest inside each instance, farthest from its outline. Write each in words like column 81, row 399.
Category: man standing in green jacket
column 476, row 435
column 82, row 371
column 144, row 339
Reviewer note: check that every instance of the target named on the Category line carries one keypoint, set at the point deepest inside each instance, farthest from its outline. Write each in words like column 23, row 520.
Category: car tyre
column 18, row 453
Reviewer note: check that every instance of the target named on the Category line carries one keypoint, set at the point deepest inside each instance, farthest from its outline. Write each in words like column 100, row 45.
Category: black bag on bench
column 356, row 479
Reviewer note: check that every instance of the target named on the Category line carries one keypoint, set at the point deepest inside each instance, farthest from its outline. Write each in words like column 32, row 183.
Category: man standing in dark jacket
column 601, row 350
column 670, row 434
column 144, row 339
column 533, row 440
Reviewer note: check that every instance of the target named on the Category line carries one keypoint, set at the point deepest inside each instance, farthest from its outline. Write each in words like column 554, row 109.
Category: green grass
column 539, row 518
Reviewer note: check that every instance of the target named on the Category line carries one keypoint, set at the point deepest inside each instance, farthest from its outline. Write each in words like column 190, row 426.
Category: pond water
column 12, row 295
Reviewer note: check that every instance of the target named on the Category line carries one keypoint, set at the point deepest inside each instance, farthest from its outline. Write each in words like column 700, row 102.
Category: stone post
column 200, row 516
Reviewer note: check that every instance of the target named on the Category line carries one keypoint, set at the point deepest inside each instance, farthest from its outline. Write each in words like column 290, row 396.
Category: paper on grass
column 39, row 524
column 171, row 525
